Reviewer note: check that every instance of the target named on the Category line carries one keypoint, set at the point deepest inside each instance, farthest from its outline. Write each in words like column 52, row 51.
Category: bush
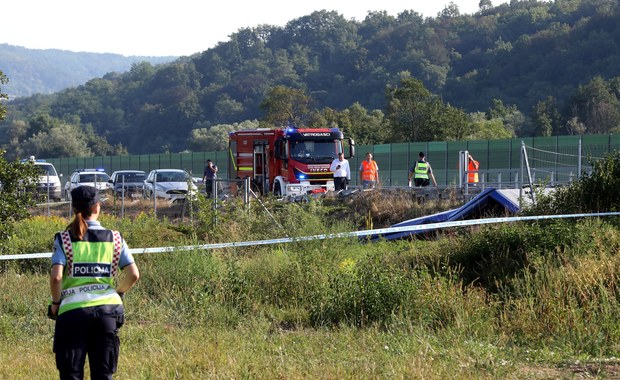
column 596, row 192
column 495, row 254
column 17, row 184
column 360, row 292
column 569, row 300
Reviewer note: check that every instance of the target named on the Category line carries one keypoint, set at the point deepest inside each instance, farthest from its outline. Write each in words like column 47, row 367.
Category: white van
column 49, row 180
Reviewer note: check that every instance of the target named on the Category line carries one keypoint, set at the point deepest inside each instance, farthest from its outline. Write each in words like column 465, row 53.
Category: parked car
column 49, row 179
column 168, row 184
column 91, row 177
column 133, row 181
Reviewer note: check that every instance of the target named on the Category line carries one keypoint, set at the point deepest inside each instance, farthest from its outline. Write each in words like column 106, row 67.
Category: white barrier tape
column 379, row 231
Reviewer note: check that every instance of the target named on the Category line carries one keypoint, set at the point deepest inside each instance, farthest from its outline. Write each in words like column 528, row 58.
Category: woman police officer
column 87, row 308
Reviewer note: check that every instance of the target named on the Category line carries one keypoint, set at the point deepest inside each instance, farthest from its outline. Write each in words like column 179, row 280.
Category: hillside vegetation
column 519, row 300
column 45, row 71
column 524, row 68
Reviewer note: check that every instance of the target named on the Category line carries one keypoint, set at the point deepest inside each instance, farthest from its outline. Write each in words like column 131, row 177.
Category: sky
column 173, row 28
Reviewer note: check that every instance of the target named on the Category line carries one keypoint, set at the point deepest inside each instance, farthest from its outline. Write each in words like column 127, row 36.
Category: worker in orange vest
column 472, row 169
column 369, row 172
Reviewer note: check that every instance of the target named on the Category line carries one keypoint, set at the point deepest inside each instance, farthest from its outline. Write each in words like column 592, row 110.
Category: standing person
column 342, row 172
column 88, row 309
column 422, row 172
column 369, row 172
column 209, row 174
column 472, row 169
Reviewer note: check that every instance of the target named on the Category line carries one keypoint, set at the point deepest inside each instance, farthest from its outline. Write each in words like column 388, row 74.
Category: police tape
column 375, row 232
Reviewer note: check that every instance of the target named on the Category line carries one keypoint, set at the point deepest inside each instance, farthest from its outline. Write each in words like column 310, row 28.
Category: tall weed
column 497, row 253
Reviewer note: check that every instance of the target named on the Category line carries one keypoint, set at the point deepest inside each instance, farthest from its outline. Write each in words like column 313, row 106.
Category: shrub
column 596, row 192
column 497, row 253
column 17, row 182
column 571, row 300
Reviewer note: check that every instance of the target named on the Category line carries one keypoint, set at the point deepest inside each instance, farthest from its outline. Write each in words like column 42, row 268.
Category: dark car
column 132, row 180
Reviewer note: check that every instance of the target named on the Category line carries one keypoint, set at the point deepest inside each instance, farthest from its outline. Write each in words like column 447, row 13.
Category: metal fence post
column 122, row 196
column 579, row 158
column 154, row 195
column 246, row 191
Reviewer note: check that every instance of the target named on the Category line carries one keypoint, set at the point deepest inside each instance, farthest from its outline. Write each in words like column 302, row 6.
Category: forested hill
column 44, row 71
column 530, row 67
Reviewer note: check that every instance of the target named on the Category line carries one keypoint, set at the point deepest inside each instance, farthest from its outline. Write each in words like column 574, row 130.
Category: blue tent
column 490, row 202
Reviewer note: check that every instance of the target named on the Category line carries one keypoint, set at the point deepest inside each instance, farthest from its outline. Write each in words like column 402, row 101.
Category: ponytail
column 78, row 227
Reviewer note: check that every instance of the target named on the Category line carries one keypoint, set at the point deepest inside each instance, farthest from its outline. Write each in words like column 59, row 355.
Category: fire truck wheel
column 277, row 190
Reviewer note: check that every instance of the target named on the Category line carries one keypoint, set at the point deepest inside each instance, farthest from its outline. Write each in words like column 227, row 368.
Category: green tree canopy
column 286, row 106
column 216, row 137
column 17, row 183
column 3, row 80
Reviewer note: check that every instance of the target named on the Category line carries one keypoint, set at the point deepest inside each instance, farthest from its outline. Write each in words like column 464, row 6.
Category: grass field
column 518, row 301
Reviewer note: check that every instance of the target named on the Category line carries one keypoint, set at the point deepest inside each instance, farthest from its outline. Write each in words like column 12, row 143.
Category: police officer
column 85, row 303
column 422, row 172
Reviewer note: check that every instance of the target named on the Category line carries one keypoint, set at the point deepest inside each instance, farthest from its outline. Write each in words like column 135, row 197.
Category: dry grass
column 368, row 209
column 111, row 206
column 385, row 207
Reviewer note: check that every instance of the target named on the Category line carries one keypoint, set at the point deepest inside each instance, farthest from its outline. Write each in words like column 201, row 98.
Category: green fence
column 500, row 160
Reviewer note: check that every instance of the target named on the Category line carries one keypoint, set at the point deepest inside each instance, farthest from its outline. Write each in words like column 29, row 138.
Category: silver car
column 169, row 184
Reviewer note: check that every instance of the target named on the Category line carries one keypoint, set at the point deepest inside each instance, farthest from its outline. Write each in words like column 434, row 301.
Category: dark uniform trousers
column 76, row 335
column 422, row 181
column 340, row 183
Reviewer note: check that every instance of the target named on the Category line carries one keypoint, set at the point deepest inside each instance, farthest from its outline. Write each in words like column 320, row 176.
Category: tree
column 485, row 129
column 3, row 80
column 450, row 123
column 485, row 4
column 450, row 10
column 63, row 140
column 546, row 118
column 575, row 127
column 15, row 178
column 216, row 137
column 418, row 115
column 510, row 116
column 286, row 106
column 355, row 122
column 407, row 110
column 597, row 106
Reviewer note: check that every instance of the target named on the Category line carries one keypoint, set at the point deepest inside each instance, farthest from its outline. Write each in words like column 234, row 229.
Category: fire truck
column 287, row 161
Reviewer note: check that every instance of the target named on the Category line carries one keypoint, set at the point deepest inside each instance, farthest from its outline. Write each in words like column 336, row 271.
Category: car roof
column 91, row 172
column 128, row 171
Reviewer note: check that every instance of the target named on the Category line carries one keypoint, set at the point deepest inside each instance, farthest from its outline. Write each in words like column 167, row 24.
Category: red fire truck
column 287, row 161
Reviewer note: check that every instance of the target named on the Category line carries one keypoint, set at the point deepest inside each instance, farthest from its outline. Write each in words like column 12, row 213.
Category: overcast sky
column 172, row 28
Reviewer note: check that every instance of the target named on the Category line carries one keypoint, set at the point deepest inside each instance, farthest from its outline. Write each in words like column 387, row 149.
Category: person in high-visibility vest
column 472, row 169
column 421, row 172
column 86, row 303
column 369, row 172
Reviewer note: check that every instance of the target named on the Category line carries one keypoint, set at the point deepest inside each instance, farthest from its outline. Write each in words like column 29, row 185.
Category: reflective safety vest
column 92, row 263
column 421, row 170
column 472, row 168
column 369, row 170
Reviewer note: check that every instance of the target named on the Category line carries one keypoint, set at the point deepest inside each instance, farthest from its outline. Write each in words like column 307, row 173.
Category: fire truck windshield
column 322, row 151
